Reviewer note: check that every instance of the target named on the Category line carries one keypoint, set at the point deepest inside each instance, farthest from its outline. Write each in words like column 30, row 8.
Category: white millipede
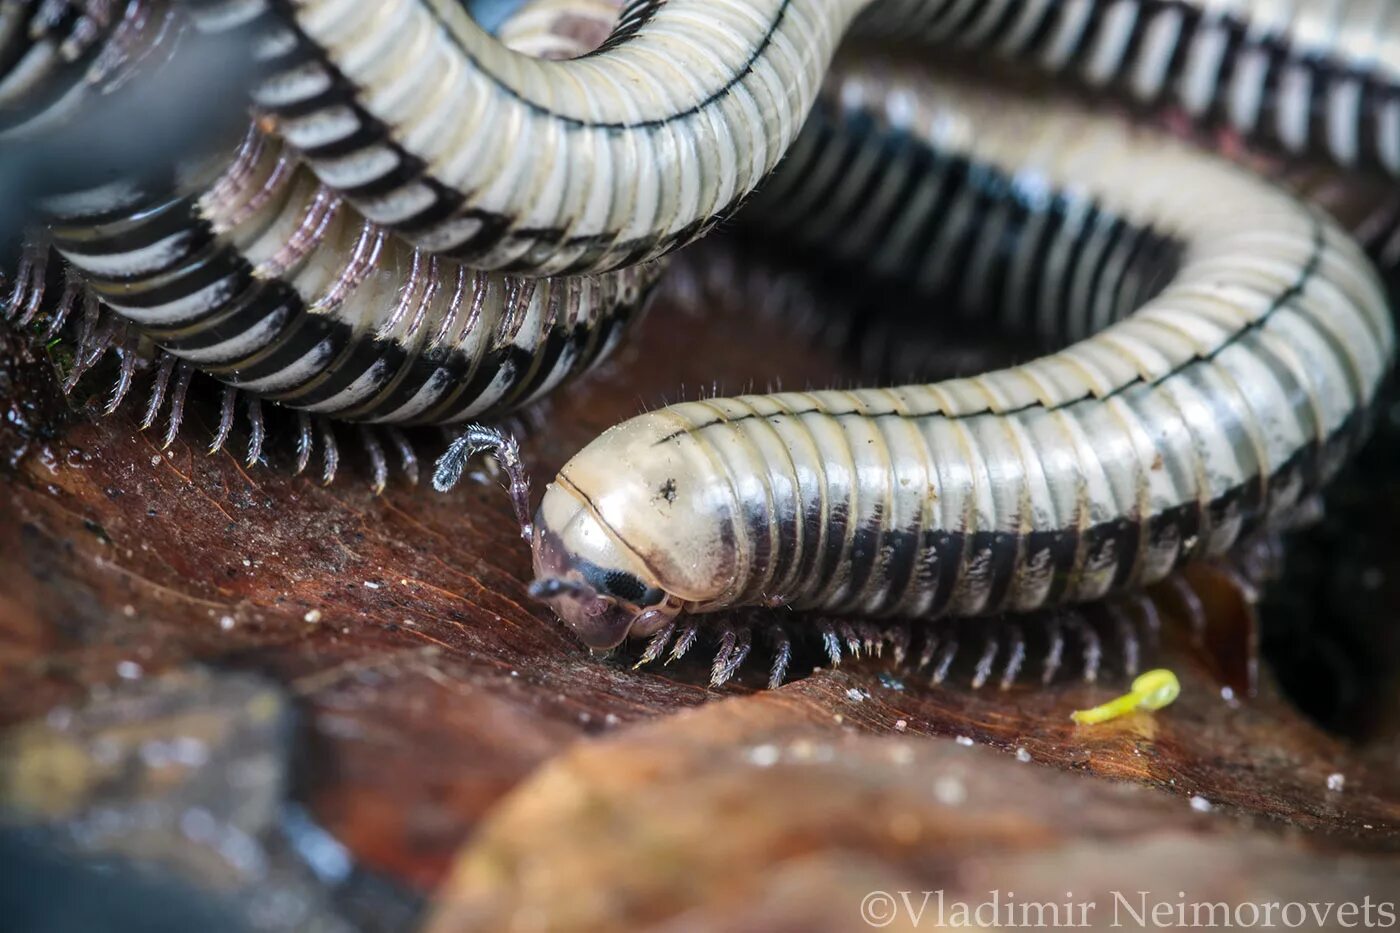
column 1200, row 416
column 437, row 130
column 245, row 267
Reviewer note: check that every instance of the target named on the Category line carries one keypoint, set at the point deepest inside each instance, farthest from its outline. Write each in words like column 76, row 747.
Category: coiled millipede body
column 634, row 149
column 1195, row 419
column 247, row 268
column 1300, row 77
column 642, row 145
column 277, row 287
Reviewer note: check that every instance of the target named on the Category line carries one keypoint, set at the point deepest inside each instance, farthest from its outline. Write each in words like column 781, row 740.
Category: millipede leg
column 656, row 646
column 852, row 638
column 66, row 303
column 29, row 283
column 127, row 351
column 67, row 300
column 257, row 431
column 379, row 466
column 945, row 660
column 1151, row 620
column 1015, row 657
column 1192, row 606
column 685, row 640
column 304, row 442
column 506, row 451
column 986, row 662
column 90, row 345
column 226, row 403
column 330, row 452
column 1091, row 645
column 1056, row 651
column 830, row 642
column 735, row 646
column 927, row 652
column 21, row 284
column 177, row 404
column 158, row 386
column 782, row 656
column 408, row 460
column 1127, row 637
column 872, row 639
column 898, row 637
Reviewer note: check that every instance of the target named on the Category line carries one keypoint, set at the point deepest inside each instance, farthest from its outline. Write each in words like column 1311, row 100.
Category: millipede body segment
column 242, row 264
column 1177, row 428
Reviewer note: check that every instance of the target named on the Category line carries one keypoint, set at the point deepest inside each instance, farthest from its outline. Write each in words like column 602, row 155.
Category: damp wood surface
column 467, row 752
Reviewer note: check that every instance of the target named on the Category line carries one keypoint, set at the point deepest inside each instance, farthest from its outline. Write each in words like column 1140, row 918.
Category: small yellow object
column 1152, row 690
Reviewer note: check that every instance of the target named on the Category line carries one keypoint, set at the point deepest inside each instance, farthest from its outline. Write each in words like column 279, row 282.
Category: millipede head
column 604, row 601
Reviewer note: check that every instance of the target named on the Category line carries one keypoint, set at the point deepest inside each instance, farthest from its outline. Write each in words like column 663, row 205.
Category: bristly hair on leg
column 159, row 384
column 183, row 372
column 257, row 431
column 506, row 450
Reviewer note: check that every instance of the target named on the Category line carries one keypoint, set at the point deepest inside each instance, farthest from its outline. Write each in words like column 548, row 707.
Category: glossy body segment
column 270, row 282
column 1304, row 78
column 275, row 285
column 1236, row 388
column 438, row 131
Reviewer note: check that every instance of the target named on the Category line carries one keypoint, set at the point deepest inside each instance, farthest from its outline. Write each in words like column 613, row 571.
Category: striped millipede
column 266, row 280
column 714, row 92
column 1215, row 403
column 1202, row 415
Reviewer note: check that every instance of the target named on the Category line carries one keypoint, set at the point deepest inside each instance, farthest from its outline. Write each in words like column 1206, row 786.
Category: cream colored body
column 1208, row 411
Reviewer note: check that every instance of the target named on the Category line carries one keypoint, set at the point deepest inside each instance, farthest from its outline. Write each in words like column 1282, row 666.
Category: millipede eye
column 624, row 586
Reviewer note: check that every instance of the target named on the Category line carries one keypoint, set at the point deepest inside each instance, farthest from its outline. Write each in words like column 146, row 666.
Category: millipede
column 266, row 280
column 428, row 224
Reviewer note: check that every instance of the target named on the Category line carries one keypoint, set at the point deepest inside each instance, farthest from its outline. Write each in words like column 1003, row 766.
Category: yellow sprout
column 1152, row 690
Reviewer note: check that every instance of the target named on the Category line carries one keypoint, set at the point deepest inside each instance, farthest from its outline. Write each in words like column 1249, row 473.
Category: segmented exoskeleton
column 713, row 92
column 271, row 283
column 1236, row 388
column 1306, row 78
column 424, row 121
column 274, row 285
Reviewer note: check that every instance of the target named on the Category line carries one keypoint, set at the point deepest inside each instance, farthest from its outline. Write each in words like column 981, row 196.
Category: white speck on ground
column 1200, row 804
